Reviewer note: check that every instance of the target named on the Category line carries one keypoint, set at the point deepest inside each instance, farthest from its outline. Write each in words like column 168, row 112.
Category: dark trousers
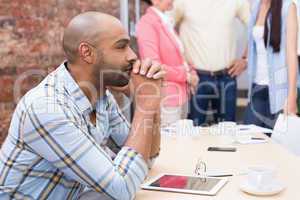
column 298, row 101
column 218, row 91
column 258, row 109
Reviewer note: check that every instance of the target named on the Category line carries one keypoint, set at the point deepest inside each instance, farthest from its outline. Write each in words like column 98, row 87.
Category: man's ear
column 86, row 53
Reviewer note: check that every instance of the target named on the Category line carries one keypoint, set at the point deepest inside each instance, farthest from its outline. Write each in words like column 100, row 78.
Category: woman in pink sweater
column 158, row 41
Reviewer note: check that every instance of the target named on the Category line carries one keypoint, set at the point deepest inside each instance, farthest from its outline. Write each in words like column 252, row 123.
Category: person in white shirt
column 272, row 62
column 297, row 2
column 207, row 30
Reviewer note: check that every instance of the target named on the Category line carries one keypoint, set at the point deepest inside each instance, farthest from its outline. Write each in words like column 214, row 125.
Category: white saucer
column 273, row 189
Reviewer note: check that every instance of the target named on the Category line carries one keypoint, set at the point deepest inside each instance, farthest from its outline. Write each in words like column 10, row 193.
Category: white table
column 180, row 154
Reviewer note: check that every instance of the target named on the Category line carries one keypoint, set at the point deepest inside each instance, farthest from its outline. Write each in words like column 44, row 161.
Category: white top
column 262, row 75
column 207, row 30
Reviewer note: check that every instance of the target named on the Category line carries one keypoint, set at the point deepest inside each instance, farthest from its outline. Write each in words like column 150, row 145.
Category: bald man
column 68, row 138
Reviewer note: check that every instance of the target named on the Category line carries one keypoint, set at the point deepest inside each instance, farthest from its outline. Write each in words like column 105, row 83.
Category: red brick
column 6, row 83
column 30, row 34
column 23, row 69
column 6, row 111
column 40, row 47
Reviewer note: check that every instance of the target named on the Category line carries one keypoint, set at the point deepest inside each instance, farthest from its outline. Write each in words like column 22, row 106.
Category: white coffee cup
column 261, row 177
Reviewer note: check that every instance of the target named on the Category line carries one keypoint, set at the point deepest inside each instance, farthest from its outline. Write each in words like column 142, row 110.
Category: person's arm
column 292, row 62
column 243, row 11
column 119, row 127
column 155, row 148
column 239, row 65
column 297, row 2
column 147, row 99
column 193, row 80
column 148, row 45
column 59, row 137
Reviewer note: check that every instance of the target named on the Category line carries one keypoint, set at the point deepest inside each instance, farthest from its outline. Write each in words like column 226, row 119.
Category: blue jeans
column 298, row 101
column 219, row 91
column 258, row 109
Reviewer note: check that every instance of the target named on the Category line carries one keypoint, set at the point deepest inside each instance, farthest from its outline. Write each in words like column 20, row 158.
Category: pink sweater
column 156, row 42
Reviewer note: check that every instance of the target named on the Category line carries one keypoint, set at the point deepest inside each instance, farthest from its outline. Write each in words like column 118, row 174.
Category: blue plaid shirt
column 53, row 151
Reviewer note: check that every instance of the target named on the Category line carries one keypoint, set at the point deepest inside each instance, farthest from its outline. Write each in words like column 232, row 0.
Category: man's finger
column 155, row 68
column 146, row 64
column 136, row 67
column 160, row 75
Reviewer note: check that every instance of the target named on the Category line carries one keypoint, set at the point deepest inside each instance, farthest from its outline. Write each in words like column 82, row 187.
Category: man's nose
column 131, row 57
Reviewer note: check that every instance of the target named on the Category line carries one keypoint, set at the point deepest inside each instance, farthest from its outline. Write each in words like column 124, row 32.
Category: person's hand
column 149, row 68
column 146, row 93
column 237, row 67
column 193, row 81
column 290, row 106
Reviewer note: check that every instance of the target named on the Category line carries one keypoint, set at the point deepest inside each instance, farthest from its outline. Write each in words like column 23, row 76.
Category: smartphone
column 224, row 149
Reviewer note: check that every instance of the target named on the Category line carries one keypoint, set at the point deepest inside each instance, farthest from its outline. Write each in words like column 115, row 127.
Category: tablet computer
column 185, row 184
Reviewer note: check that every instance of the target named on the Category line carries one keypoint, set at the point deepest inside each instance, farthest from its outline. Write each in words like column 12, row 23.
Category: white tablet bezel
column 212, row 192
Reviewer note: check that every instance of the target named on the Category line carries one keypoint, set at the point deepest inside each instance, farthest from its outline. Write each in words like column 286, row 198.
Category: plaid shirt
column 53, row 151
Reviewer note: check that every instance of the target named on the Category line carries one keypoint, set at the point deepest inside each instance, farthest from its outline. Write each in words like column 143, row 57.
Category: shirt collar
column 162, row 15
column 70, row 85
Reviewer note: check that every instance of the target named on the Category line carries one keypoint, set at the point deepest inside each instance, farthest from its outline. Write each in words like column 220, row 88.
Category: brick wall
column 30, row 43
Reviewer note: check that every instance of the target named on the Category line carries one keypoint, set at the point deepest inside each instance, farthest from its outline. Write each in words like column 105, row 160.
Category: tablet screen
column 185, row 182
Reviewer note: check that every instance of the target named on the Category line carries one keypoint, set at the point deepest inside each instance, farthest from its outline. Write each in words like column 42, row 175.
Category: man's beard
column 110, row 77
column 118, row 79
column 107, row 75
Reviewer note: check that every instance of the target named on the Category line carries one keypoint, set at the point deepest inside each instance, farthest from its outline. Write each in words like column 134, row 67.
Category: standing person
column 273, row 65
column 207, row 31
column 68, row 138
column 297, row 2
column 158, row 40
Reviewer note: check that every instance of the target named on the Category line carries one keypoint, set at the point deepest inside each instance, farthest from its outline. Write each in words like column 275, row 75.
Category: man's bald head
column 87, row 27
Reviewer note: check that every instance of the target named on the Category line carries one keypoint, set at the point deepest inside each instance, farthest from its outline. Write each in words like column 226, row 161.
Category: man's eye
column 121, row 46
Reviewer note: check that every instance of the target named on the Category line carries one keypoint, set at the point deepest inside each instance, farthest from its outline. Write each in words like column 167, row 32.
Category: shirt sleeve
column 119, row 127
column 243, row 11
column 55, row 134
